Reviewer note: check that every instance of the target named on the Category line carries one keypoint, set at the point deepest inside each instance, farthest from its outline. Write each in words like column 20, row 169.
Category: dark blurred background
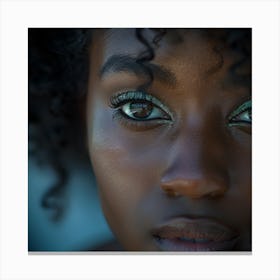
column 64, row 213
column 82, row 227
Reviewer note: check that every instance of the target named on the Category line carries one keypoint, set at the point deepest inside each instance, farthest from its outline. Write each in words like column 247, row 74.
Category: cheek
column 127, row 166
column 241, row 165
column 241, row 184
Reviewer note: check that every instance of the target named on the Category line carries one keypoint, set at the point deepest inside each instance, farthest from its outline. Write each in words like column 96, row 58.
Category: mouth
column 186, row 234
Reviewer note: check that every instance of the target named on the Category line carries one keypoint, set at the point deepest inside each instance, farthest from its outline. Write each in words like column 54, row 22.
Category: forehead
column 170, row 41
column 191, row 53
column 191, row 45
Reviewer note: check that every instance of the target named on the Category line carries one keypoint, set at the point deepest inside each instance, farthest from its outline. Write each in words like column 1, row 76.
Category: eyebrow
column 126, row 63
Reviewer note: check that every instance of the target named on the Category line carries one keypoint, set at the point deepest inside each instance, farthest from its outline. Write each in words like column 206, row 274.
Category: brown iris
column 141, row 110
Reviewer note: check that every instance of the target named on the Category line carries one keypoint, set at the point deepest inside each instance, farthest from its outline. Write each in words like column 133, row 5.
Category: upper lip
column 194, row 229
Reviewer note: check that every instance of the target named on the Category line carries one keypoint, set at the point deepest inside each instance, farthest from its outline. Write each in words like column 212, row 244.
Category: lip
column 188, row 234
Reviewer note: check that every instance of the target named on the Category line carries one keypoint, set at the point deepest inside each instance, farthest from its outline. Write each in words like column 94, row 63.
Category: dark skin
column 185, row 152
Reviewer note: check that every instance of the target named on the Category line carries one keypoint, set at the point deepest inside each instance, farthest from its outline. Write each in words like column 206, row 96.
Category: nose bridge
column 196, row 165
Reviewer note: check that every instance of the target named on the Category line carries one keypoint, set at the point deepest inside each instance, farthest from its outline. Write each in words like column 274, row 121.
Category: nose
column 194, row 188
column 197, row 164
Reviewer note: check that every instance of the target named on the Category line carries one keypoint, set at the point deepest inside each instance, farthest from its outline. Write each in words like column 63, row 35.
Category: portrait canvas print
column 139, row 139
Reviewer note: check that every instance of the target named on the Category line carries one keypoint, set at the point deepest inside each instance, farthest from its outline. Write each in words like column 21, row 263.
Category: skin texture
column 192, row 165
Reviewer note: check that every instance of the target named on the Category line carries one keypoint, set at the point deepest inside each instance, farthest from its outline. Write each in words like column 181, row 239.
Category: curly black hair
column 58, row 70
column 58, row 75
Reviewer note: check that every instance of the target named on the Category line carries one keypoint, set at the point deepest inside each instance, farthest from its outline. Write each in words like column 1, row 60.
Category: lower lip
column 175, row 244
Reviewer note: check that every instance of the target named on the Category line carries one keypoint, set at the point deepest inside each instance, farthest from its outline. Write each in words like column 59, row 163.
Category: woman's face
column 172, row 157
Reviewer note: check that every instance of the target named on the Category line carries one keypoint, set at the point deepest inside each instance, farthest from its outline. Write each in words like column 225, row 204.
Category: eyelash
column 124, row 101
column 234, row 118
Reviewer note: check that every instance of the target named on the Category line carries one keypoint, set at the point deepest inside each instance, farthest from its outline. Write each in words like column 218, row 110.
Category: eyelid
column 134, row 95
column 240, row 109
column 243, row 107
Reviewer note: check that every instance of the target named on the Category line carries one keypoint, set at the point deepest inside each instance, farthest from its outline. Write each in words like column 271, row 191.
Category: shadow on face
column 169, row 135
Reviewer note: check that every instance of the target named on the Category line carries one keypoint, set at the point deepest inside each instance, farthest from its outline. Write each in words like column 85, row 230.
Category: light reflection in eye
column 242, row 115
column 143, row 110
column 140, row 106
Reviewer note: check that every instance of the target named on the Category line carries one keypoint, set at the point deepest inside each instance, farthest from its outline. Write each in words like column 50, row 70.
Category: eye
column 140, row 106
column 143, row 110
column 242, row 115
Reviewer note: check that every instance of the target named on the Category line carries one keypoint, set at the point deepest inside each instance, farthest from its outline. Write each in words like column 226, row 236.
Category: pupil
column 141, row 110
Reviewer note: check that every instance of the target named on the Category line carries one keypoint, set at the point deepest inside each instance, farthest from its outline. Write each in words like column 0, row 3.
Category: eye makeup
column 139, row 108
column 242, row 115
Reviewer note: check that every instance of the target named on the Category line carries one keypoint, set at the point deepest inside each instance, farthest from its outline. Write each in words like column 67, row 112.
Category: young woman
column 166, row 115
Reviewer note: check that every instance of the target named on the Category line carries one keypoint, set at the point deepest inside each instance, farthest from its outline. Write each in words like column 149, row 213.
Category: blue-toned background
column 83, row 225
